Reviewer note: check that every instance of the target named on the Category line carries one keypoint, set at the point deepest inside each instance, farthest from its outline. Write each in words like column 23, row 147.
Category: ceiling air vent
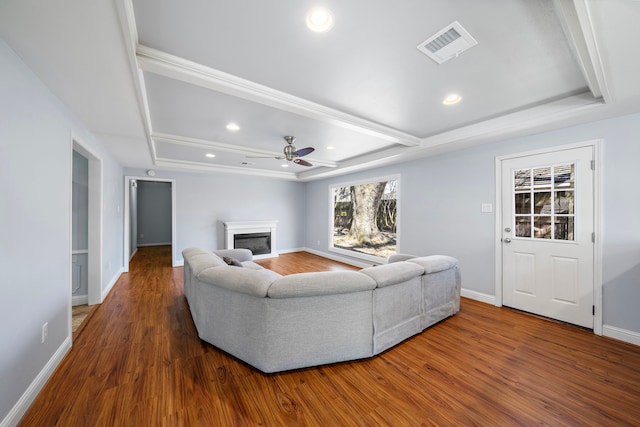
column 447, row 43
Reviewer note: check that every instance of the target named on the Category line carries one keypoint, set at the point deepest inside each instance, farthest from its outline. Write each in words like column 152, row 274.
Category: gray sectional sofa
column 277, row 323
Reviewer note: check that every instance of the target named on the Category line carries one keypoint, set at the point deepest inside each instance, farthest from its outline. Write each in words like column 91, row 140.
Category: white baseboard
column 27, row 398
column 621, row 334
column 134, row 252
column 114, row 280
column 79, row 300
column 178, row 263
column 292, row 250
column 478, row 296
column 143, row 245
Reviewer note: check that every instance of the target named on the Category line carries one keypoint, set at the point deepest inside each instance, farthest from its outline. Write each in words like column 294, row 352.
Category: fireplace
column 257, row 243
column 257, row 236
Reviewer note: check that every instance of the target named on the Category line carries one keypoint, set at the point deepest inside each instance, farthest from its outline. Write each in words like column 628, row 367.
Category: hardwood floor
column 139, row 362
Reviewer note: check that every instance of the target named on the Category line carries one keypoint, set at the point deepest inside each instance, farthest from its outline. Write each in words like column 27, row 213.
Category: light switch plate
column 487, row 207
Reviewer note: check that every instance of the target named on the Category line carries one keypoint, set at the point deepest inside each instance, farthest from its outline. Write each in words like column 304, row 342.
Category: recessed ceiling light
column 330, row 147
column 319, row 20
column 285, row 165
column 232, row 127
column 210, row 155
column 454, row 98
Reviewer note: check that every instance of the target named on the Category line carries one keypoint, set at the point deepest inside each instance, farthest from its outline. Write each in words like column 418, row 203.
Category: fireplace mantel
column 231, row 228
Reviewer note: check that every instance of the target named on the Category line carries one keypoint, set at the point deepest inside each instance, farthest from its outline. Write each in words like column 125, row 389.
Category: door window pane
column 544, row 199
column 522, row 179
column 542, row 177
column 542, row 227
column 563, row 228
column 542, row 204
column 564, row 202
column 523, row 226
column 563, row 176
column 523, row 203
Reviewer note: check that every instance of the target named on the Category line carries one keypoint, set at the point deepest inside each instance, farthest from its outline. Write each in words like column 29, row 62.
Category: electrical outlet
column 141, row 236
column 45, row 331
column 318, row 242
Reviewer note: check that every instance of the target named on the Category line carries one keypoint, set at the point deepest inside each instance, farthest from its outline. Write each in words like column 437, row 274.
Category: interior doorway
column 548, row 259
column 94, row 220
column 131, row 232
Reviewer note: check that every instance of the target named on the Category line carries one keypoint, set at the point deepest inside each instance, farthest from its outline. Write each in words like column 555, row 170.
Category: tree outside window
column 365, row 218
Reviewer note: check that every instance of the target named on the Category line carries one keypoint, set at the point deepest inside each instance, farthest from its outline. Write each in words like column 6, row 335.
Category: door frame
column 127, row 226
column 596, row 145
column 95, row 235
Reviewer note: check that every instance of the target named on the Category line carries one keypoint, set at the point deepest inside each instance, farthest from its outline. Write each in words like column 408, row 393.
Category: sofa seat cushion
column 243, row 280
column 320, row 283
column 435, row 263
column 391, row 274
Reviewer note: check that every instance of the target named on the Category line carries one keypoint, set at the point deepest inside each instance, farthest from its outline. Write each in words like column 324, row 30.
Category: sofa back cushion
column 244, row 280
column 392, row 274
column 435, row 263
column 320, row 283
column 202, row 261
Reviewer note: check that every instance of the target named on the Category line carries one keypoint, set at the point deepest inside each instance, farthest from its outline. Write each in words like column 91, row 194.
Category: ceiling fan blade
column 302, row 162
column 304, row 151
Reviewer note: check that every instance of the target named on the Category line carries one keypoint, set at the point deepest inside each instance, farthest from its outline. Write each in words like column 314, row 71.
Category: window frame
column 354, row 254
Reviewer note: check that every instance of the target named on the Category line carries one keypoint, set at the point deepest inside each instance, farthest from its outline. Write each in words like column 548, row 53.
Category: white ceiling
column 158, row 80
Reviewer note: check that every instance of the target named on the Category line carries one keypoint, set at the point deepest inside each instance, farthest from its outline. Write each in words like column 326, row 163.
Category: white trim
column 127, row 250
column 96, row 233
column 112, row 283
column 229, row 148
column 79, row 300
column 174, row 67
column 292, row 250
column 621, row 334
column 478, row 296
column 80, row 252
column 152, row 244
column 133, row 253
column 596, row 145
column 27, row 398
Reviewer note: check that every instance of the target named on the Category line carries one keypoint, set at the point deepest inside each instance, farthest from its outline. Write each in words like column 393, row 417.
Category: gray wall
column 35, row 224
column 440, row 199
column 203, row 201
column 154, row 213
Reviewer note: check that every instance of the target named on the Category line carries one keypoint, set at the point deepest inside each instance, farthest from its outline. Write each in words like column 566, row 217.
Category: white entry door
column 547, row 234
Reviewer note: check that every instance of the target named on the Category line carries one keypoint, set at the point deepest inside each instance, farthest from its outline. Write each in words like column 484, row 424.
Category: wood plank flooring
column 139, row 362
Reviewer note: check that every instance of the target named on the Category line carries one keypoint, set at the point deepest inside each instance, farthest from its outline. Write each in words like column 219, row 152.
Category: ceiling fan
column 291, row 153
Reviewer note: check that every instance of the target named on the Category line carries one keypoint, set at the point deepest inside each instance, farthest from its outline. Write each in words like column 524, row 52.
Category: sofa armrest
column 391, row 274
column 239, row 254
column 320, row 283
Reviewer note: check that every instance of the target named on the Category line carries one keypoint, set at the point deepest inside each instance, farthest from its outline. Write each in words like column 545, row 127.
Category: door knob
column 506, row 240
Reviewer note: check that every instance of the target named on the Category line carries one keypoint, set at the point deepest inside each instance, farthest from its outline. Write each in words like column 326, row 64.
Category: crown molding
column 202, row 143
column 505, row 126
column 207, row 167
column 167, row 65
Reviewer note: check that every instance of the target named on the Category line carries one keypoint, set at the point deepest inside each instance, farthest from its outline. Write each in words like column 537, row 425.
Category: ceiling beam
column 164, row 64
